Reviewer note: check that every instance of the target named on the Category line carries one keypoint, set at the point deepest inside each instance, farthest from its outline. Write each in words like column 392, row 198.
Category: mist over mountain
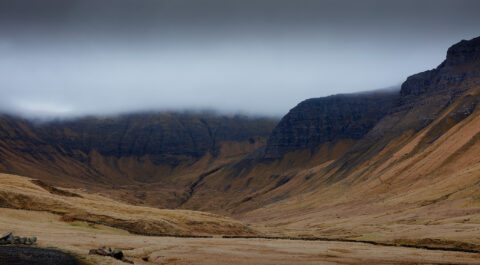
column 70, row 58
column 210, row 131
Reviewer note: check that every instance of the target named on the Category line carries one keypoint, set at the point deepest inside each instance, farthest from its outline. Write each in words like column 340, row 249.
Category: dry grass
column 20, row 193
column 79, row 238
column 426, row 196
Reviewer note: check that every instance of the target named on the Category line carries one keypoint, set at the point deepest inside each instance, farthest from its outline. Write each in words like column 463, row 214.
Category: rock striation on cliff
column 421, row 99
column 328, row 119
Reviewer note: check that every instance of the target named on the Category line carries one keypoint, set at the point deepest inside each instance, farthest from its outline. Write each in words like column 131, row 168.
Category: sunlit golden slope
column 414, row 189
column 24, row 193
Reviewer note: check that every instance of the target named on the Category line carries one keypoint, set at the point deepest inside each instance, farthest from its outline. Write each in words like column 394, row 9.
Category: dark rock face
column 464, row 52
column 421, row 99
column 111, row 252
column 164, row 137
column 320, row 120
column 462, row 64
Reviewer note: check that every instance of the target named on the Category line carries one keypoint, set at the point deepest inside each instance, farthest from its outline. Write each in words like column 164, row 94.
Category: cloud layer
column 262, row 57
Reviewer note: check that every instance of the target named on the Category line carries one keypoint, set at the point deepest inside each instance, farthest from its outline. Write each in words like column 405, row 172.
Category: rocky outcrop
column 320, row 120
column 460, row 68
column 9, row 239
column 424, row 98
column 110, row 252
column 421, row 99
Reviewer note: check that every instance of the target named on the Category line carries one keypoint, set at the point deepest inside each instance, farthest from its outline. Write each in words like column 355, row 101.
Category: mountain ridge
column 402, row 165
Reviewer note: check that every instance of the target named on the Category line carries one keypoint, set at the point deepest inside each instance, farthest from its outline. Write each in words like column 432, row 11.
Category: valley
column 393, row 167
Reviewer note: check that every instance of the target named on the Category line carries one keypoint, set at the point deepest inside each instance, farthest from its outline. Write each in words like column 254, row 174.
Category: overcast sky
column 76, row 57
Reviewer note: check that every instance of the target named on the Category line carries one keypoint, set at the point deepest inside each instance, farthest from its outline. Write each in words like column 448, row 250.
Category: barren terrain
column 78, row 237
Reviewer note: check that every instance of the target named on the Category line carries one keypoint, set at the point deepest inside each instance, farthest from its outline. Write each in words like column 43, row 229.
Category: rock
column 353, row 116
column 6, row 235
column 6, row 238
column 9, row 238
column 321, row 120
column 116, row 253
column 461, row 64
column 111, row 252
column 99, row 251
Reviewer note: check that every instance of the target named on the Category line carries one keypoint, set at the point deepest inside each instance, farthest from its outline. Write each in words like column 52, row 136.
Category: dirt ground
column 78, row 237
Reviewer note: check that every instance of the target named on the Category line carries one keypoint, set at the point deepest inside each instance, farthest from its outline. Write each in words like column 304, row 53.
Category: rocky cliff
column 169, row 149
column 329, row 119
column 165, row 137
column 352, row 116
column 460, row 70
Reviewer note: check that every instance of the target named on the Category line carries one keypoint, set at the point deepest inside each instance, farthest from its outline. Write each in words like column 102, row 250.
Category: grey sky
column 67, row 57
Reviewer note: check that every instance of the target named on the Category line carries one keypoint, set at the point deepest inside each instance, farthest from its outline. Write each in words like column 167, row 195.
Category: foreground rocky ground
column 79, row 237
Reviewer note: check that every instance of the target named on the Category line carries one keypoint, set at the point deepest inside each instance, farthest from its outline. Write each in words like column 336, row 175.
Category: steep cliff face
column 160, row 136
column 460, row 68
column 421, row 99
column 329, row 119
column 169, row 149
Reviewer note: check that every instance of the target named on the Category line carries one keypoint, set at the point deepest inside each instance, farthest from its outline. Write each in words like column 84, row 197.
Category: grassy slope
column 415, row 190
column 21, row 193
column 78, row 237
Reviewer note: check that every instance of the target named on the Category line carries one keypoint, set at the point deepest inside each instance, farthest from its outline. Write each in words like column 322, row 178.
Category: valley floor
column 78, row 237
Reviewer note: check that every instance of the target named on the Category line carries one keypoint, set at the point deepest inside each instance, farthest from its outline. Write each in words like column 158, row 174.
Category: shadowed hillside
column 398, row 167
column 125, row 154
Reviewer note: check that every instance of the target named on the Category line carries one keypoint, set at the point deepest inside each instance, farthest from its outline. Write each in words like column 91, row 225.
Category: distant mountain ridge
column 162, row 136
column 129, row 149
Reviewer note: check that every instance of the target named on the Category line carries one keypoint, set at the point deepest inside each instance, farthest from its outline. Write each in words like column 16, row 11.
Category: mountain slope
column 394, row 167
column 413, row 178
column 143, row 158
column 23, row 193
column 322, row 120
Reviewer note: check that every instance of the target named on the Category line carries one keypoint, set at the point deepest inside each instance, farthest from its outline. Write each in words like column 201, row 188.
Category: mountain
column 412, row 178
column 325, row 120
column 166, row 150
column 407, row 173
column 399, row 167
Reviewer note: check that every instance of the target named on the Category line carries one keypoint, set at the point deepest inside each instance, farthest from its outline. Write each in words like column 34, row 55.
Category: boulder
column 9, row 238
column 6, row 236
column 110, row 252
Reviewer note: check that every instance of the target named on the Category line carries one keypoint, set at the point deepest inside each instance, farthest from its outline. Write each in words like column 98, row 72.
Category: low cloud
column 70, row 58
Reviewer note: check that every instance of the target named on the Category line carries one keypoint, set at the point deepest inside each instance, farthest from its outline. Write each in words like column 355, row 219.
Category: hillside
column 122, row 155
column 23, row 193
column 387, row 166
column 412, row 178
